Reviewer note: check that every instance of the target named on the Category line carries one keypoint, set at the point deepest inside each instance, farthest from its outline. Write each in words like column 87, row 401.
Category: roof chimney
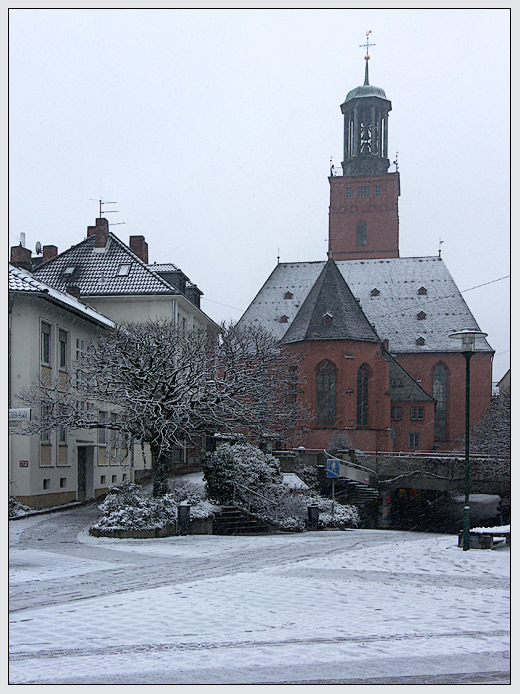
column 49, row 252
column 139, row 246
column 73, row 290
column 21, row 257
column 100, row 231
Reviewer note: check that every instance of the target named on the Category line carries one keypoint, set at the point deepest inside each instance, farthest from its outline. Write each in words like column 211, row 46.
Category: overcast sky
column 213, row 131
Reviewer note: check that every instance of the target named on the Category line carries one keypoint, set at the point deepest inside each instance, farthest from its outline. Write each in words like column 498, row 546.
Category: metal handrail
column 251, row 491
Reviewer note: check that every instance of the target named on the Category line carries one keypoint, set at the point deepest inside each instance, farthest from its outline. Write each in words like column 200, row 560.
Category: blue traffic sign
column 332, row 467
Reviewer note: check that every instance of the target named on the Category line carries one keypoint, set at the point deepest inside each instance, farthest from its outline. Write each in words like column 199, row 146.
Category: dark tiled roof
column 404, row 388
column 393, row 310
column 96, row 273
column 330, row 312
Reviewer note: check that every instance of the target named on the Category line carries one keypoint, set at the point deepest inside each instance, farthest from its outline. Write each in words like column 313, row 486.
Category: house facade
column 48, row 332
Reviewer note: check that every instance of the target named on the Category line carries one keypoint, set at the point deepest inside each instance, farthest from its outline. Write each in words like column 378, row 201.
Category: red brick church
column 377, row 368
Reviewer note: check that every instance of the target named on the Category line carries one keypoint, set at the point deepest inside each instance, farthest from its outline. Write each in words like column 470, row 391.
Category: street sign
column 19, row 414
column 333, row 468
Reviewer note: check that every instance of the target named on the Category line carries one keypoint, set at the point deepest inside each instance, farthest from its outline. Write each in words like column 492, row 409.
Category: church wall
column 407, row 425
column 347, row 356
column 421, row 366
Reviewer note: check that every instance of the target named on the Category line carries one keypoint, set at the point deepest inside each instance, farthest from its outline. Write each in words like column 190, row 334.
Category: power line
column 220, row 304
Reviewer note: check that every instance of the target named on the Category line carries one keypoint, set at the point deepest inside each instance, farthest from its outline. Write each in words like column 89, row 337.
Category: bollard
column 312, row 517
column 183, row 517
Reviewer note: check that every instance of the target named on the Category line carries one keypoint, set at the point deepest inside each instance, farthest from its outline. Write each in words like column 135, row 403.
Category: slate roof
column 96, row 273
column 163, row 267
column 330, row 312
column 21, row 281
column 393, row 311
column 404, row 388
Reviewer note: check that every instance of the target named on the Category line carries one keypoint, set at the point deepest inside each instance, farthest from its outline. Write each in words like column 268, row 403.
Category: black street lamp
column 467, row 337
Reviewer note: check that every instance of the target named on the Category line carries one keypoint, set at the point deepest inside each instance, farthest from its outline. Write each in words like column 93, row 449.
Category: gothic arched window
column 361, row 234
column 363, row 375
column 440, row 393
column 326, row 393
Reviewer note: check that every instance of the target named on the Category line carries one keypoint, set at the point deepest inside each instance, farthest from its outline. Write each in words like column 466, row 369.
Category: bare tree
column 164, row 386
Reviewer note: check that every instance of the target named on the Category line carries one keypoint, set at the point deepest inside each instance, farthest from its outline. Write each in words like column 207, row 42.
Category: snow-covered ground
column 361, row 605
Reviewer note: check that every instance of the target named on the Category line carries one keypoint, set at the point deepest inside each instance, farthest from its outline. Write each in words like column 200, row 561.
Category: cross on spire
column 367, row 44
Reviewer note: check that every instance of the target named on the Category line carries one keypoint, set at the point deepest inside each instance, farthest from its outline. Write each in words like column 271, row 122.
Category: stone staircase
column 360, row 494
column 233, row 520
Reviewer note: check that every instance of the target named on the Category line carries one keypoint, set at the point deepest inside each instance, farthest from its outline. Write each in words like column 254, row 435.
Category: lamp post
column 467, row 337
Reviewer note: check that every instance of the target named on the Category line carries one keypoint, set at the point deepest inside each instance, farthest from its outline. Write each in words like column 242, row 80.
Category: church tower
column 363, row 213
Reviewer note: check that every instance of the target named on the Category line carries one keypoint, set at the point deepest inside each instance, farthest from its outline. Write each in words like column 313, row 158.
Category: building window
column 378, row 190
column 62, row 431
column 422, row 291
column 362, row 395
column 360, row 191
column 46, row 484
column 63, row 355
column 414, row 440
column 417, row 414
column 114, row 479
column 396, row 414
column 348, row 192
column 103, row 479
column 439, row 392
column 125, row 476
column 123, row 270
column 63, row 482
column 102, row 432
column 288, row 295
column 45, row 344
column 45, row 436
column 326, row 394
column 81, row 381
column 421, row 315
column 292, row 385
column 361, row 234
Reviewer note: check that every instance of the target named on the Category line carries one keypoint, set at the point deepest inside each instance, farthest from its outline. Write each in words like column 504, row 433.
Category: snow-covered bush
column 183, row 490
column 245, row 465
column 344, row 516
column 202, row 510
column 17, row 509
column 127, row 507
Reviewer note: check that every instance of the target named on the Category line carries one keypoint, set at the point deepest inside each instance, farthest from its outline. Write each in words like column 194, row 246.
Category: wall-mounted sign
column 24, row 463
column 19, row 414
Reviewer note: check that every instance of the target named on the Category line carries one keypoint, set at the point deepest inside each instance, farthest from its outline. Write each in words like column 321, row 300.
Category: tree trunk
column 160, row 465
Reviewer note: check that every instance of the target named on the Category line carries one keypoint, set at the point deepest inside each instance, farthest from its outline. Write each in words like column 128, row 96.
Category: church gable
column 330, row 312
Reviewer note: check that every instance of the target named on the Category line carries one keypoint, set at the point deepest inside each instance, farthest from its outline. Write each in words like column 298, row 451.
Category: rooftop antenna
column 38, row 248
column 440, row 243
column 278, row 258
column 331, row 167
column 104, row 202
column 396, row 162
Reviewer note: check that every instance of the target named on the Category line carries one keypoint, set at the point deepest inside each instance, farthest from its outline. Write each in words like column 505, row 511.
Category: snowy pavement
column 328, row 607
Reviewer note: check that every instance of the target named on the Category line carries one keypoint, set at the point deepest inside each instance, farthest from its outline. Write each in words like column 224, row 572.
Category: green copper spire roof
column 367, row 89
